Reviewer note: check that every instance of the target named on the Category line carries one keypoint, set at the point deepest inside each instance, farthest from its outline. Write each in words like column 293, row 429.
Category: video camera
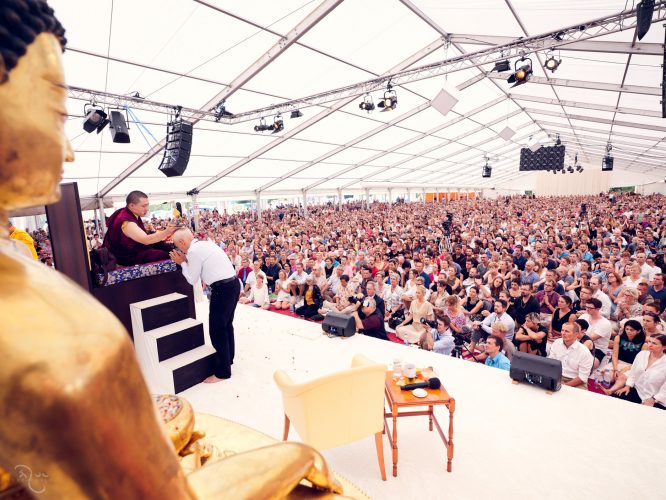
column 447, row 223
column 430, row 323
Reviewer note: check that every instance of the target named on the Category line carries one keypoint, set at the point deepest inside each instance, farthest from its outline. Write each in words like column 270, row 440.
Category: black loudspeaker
column 341, row 325
column 544, row 158
column 178, row 148
column 536, row 370
column 118, row 127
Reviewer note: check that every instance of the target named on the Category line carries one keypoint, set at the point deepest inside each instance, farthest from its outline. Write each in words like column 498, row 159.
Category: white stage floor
column 511, row 441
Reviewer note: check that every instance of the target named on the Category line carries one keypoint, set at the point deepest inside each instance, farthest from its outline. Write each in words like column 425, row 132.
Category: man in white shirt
column 252, row 277
column 484, row 328
column 206, row 261
column 595, row 285
column 575, row 357
column 600, row 328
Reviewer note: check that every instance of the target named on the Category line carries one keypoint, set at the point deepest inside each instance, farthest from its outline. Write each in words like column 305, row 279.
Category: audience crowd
column 579, row 279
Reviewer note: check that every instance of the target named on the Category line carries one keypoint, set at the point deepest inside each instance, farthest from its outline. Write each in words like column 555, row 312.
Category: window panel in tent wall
column 290, row 75
column 322, row 170
column 647, row 102
column 387, row 138
column 215, row 140
column 421, row 145
column 541, row 17
column 299, row 151
column 338, row 128
column 266, row 168
column 487, row 16
column 87, row 165
column 385, row 33
column 646, row 70
column 388, row 160
column 351, row 156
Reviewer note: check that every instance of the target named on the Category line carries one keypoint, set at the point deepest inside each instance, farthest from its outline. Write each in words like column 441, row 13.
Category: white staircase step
column 162, row 299
column 187, row 357
column 176, row 327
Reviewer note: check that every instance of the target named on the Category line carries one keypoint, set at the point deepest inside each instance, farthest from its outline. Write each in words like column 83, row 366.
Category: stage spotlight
column 118, row 128
column 521, row 74
column 390, row 100
column 95, row 119
column 487, row 170
column 552, row 64
column 367, row 104
column 262, row 127
column 570, row 169
column 644, row 12
column 278, row 124
column 502, row 66
column 579, row 168
column 221, row 111
column 607, row 164
column 296, row 114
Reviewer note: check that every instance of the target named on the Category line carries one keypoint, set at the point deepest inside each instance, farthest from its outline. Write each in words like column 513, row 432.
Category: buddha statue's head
column 33, row 145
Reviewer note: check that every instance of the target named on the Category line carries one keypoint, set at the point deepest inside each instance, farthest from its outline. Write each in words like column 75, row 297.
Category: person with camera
column 369, row 313
column 439, row 337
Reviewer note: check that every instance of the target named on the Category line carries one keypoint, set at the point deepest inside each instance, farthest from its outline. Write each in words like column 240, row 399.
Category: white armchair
column 339, row 408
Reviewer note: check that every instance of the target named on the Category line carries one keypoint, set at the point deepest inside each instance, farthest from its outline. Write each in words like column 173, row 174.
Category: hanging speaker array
column 178, row 148
column 544, row 158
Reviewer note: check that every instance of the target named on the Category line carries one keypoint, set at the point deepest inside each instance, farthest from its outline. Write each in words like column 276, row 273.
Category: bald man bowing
column 206, row 261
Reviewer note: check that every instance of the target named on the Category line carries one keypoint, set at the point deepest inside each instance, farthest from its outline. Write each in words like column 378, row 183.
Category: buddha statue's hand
column 271, row 472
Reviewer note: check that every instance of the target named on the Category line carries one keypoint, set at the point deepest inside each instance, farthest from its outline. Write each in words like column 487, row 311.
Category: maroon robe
column 127, row 251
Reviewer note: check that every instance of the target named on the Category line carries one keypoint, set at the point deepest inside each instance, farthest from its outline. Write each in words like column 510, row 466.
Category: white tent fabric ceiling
column 183, row 52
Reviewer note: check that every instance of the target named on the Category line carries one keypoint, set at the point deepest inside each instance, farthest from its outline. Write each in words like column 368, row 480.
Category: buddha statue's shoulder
column 46, row 316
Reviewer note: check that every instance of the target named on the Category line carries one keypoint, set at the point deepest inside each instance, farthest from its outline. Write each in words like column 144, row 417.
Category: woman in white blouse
column 645, row 382
column 258, row 294
column 283, row 300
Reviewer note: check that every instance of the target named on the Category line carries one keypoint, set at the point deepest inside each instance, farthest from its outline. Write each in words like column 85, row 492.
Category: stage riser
column 193, row 374
column 180, row 342
column 170, row 344
column 166, row 313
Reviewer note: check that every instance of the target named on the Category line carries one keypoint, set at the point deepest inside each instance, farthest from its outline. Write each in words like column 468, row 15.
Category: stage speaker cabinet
column 536, row 370
column 341, row 325
column 118, row 126
column 177, row 150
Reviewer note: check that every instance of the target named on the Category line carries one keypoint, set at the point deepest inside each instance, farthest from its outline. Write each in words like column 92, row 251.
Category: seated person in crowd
column 126, row 237
column 369, row 313
column 282, row 286
column 258, row 294
column 645, row 382
column 532, row 336
column 484, row 328
column 575, row 357
column 252, row 277
column 411, row 329
column 626, row 346
column 497, row 329
column 341, row 302
column 496, row 359
column 439, row 339
column 600, row 329
column 297, row 279
column 312, row 300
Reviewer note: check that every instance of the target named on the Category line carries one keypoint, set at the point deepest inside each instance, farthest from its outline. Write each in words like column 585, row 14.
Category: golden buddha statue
column 74, row 405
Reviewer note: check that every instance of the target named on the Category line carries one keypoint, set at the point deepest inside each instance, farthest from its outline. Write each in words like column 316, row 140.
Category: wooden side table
column 397, row 398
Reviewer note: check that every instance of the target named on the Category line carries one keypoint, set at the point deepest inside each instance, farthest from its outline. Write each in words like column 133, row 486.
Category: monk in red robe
column 127, row 239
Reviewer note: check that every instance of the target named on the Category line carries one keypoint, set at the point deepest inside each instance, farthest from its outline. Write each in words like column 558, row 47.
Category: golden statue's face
column 33, row 145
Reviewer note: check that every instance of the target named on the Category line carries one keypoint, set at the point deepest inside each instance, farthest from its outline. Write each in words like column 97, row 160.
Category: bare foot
column 212, row 380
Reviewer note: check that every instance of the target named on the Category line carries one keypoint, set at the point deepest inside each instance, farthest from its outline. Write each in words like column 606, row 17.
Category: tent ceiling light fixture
column 296, row 114
column 278, row 124
column 390, row 100
column 522, row 73
column 95, row 118
column 502, row 66
column 644, row 11
column 262, row 127
column 552, row 63
column 367, row 104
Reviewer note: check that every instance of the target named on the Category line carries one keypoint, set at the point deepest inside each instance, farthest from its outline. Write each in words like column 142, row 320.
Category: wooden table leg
column 394, row 442
column 449, row 454
column 430, row 409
